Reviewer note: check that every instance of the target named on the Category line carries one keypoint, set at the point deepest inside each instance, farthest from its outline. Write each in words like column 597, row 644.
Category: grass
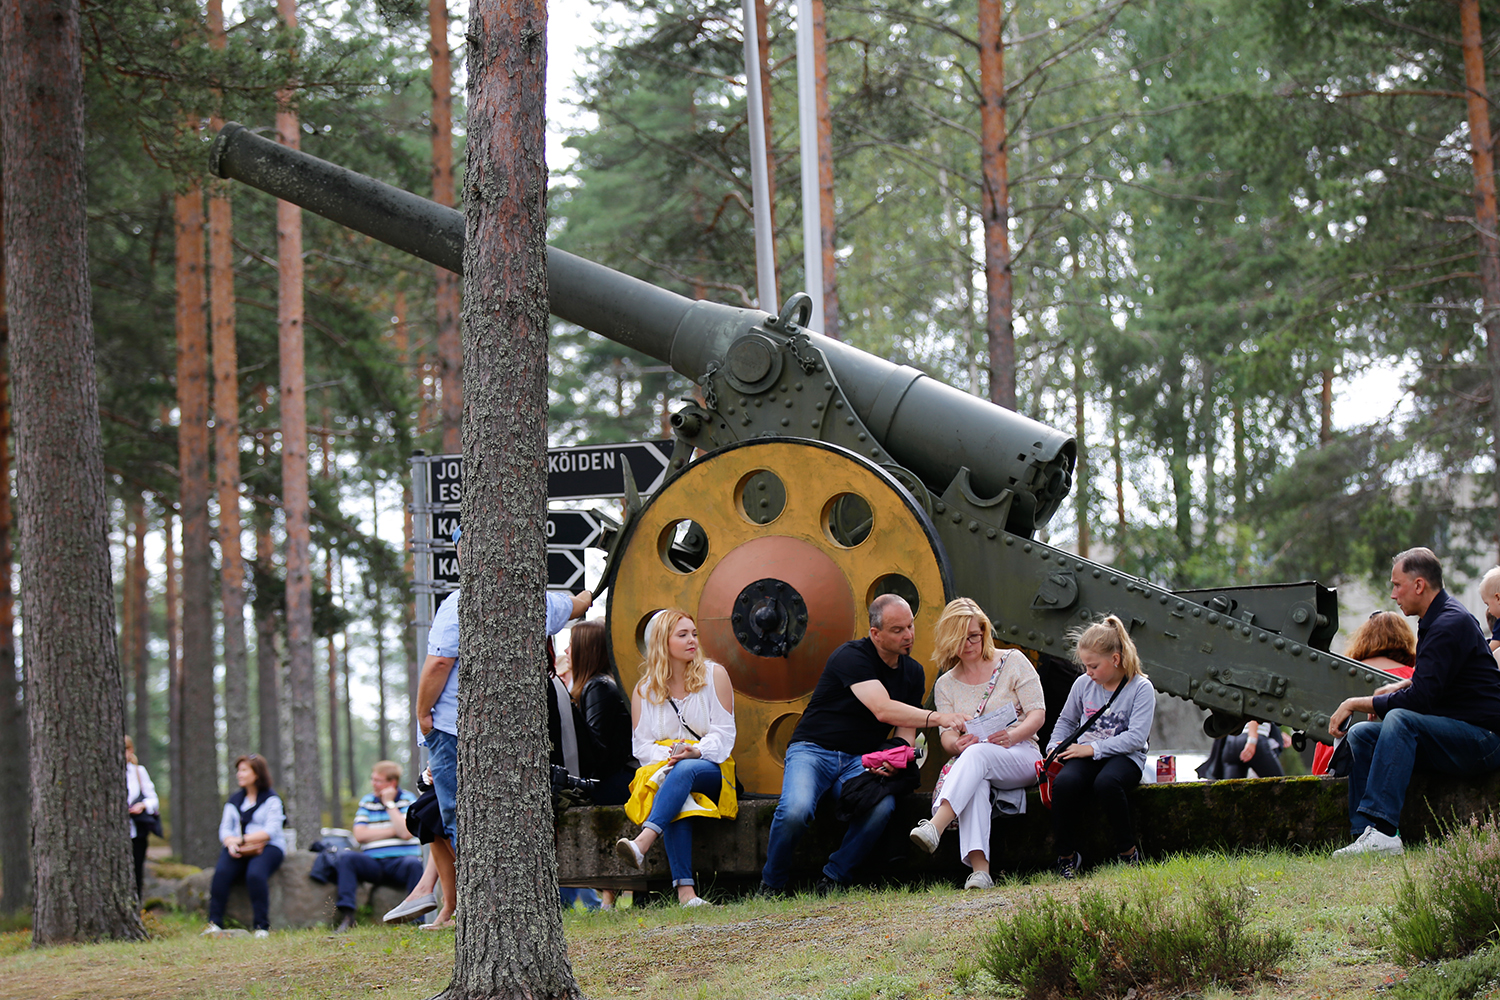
column 913, row 944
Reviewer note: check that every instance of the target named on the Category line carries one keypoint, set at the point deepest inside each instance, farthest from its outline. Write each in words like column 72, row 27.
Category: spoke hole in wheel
column 640, row 630
column 847, row 520
column 895, row 583
column 682, row 545
column 779, row 735
column 760, row 496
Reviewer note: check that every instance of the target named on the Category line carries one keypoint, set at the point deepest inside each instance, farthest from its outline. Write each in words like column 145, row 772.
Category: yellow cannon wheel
column 776, row 548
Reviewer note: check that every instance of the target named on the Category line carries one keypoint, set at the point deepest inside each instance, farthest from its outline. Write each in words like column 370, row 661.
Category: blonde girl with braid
column 1104, row 761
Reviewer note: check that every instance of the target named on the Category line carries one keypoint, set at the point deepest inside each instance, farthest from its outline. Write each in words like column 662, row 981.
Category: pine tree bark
column 15, row 836
column 1081, row 469
column 449, row 343
column 1484, row 212
column 267, row 663
column 140, row 663
column 227, row 444
column 197, row 796
column 175, row 761
column 511, row 943
column 825, row 172
column 307, row 791
column 408, row 608
column 995, row 203
column 75, row 701
column 763, row 46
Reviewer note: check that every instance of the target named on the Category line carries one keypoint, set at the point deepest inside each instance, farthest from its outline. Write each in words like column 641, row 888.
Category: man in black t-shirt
column 868, row 686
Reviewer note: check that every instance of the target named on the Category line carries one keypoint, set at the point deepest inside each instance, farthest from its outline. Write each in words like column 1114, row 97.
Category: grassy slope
column 894, row 944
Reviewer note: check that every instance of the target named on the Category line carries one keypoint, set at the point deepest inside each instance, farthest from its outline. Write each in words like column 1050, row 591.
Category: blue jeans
column 256, row 871
column 691, row 775
column 1385, row 753
column 588, row 897
column 812, row 771
column 442, row 760
column 354, row 867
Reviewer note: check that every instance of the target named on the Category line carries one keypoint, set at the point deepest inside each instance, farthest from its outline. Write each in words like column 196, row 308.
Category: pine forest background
column 1220, row 213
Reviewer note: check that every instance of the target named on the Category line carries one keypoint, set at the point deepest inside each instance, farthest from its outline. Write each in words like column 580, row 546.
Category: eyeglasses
column 978, row 636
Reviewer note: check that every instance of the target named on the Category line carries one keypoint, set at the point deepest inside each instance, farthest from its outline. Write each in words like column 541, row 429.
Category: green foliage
column 1455, row 908
column 1459, row 979
column 1152, row 939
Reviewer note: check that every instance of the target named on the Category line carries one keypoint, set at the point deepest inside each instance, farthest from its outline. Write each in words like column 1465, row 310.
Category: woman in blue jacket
column 254, row 844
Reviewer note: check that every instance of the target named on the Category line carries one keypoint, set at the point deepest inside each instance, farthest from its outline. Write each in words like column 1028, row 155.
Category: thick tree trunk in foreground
column 510, row 943
column 995, row 203
column 15, row 836
column 75, row 701
column 196, row 797
column 1484, row 211
column 307, row 791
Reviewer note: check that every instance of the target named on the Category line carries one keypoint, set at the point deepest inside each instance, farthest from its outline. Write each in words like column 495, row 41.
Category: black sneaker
column 764, row 891
column 346, row 921
column 1068, row 868
column 827, row 886
column 1133, row 859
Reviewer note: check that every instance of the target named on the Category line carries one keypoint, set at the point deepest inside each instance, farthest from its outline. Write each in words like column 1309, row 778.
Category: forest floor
column 897, row 944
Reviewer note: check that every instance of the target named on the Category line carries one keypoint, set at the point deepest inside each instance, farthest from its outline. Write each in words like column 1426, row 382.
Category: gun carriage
column 830, row 476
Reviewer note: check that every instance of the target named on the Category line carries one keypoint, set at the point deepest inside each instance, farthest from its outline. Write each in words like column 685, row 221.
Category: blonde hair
column 130, row 757
column 656, row 671
column 387, row 769
column 1108, row 637
column 952, row 631
column 1488, row 584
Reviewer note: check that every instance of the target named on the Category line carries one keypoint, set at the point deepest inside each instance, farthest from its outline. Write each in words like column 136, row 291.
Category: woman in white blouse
column 140, row 794
column 683, row 714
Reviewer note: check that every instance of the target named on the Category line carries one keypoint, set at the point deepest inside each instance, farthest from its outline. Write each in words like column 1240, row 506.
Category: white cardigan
column 700, row 710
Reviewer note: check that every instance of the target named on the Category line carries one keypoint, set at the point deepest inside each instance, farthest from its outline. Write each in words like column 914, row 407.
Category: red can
column 1166, row 768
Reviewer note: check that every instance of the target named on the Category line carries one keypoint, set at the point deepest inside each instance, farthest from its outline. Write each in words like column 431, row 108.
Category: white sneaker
column 212, row 930
column 1372, row 841
column 262, row 933
column 697, row 901
column 926, row 836
column 631, row 855
column 979, row 880
column 409, row 909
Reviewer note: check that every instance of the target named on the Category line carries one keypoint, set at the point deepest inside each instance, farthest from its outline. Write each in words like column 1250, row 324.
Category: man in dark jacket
column 1445, row 717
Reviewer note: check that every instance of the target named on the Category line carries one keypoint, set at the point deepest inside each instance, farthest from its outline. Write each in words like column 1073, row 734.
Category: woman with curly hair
column 1386, row 642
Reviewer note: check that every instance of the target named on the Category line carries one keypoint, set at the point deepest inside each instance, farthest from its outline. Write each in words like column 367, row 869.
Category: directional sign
column 443, row 523
column 591, row 471
column 445, row 480
column 564, row 569
column 445, row 569
column 572, row 529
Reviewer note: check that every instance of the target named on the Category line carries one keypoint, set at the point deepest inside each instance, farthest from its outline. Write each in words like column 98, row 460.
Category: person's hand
column 387, row 796
column 1003, row 738
column 884, row 769
column 1078, row 751
column 427, row 776
column 965, row 741
column 683, row 751
column 232, row 846
column 1248, row 753
column 138, row 808
column 1336, row 721
column 424, row 722
column 1400, row 685
column 950, row 720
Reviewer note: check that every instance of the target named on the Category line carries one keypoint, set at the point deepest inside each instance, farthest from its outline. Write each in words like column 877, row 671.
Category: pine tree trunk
column 1081, row 470
column 227, row 444
column 995, row 204
column 197, row 797
column 267, row 661
column 763, row 46
column 335, row 800
column 140, row 662
column 449, row 343
column 511, row 943
column 348, row 718
column 307, row 792
column 825, row 172
column 1325, row 424
column 75, row 701
column 1484, row 212
column 15, row 836
column 1119, row 461
column 408, row 608
column 175, row 760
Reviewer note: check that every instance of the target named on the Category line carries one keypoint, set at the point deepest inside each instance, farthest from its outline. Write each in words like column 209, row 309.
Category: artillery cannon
column 831, row 476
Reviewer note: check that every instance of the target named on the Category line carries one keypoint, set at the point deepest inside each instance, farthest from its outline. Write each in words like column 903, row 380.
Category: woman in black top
column 606, row 712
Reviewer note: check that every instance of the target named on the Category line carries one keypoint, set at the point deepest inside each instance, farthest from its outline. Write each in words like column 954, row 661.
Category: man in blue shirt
column 390, row 855
column 1445, row 717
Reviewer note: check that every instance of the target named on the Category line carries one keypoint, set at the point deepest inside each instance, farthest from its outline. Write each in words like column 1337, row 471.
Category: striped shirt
column 372, row 812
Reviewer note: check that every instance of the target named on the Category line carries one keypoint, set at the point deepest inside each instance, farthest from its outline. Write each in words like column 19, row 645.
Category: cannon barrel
column 930, row 428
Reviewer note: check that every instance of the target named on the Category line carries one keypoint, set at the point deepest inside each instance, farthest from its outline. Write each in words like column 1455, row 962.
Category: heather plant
column 1107, row 944
column 1455, row 908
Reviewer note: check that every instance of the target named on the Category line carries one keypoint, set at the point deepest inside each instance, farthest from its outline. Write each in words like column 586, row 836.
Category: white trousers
column 967, row 788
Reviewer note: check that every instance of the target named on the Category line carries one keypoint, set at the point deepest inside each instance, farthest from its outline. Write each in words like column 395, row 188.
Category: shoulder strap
column 1091, row 720
column 569, row 731
column 693, row 732
column 994, row 679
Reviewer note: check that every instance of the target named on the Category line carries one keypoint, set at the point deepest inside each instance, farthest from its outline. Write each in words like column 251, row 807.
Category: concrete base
column 1303, row 812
